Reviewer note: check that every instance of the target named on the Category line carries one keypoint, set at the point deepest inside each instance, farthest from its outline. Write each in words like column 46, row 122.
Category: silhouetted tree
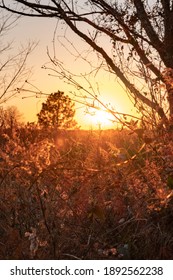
column 10, row 117
column 58, row 111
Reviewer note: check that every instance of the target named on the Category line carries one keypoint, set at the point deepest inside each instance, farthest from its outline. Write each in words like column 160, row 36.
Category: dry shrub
column 95, row 196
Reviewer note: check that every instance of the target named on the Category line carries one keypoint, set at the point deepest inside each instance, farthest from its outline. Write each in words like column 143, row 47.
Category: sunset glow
column 100, row 119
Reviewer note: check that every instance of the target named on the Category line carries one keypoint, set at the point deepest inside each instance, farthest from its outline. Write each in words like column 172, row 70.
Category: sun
column 101, row 119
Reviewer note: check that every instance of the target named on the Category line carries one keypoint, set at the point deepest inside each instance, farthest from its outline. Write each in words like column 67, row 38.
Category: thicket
column 85, row 194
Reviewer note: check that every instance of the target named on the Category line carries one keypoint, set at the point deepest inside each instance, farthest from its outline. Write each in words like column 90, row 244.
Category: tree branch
column 142, row 15
column 111, row 64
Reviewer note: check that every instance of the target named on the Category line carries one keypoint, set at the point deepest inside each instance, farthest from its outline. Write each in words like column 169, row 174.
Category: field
column 85, row 194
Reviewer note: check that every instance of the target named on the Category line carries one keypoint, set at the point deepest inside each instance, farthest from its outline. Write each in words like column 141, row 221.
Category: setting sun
column 101, row 119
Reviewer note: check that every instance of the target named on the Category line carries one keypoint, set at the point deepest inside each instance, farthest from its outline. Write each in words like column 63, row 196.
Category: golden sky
column 110, row 92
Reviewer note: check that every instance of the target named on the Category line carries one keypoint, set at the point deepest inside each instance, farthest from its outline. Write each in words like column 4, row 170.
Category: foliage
column 85, row 195
column 58, row 111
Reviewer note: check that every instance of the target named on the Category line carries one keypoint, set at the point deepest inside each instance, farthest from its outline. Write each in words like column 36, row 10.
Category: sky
column 42, row 31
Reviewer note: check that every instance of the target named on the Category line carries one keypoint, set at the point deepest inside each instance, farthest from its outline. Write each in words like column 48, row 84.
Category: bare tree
column 134, row 39
column 10, row 117
column 13, row 69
